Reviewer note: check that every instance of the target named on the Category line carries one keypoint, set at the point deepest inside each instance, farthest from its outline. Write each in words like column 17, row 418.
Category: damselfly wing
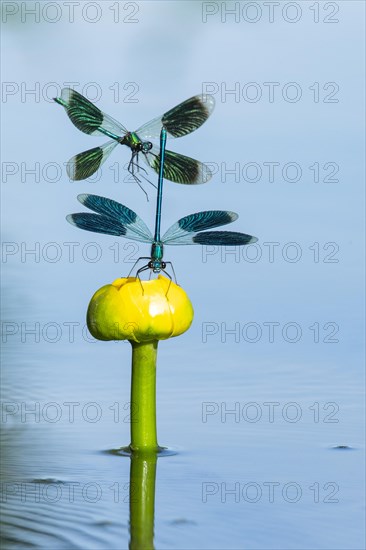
column 113, row 218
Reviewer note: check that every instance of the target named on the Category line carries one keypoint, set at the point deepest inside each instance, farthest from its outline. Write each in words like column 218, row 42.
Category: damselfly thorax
column 156, row 263
column 132, row 140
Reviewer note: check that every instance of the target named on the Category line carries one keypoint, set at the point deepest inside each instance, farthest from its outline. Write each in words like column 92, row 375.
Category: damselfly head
column 156, row 265
column 146, row 146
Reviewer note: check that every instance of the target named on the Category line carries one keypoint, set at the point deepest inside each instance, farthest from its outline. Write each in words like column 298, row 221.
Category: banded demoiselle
column 179, row 121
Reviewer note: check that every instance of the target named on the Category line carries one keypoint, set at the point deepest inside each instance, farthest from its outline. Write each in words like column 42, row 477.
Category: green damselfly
column 179, row 121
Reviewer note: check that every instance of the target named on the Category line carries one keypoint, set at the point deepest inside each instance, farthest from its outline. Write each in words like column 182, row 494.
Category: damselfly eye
column 151, row 265
column 163, row 265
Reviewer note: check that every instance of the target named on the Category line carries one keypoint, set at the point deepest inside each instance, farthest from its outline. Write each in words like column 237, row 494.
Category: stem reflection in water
column 142, row 500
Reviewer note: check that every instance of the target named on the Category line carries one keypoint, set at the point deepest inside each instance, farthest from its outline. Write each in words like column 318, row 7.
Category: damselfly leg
column 137, row 261
column 135, row 168
column 171, row 265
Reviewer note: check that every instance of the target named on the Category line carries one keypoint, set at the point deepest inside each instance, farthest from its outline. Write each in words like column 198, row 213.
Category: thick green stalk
column 143, row 397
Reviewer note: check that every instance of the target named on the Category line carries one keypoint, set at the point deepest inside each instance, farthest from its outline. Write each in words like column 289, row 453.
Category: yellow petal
column 141, row 311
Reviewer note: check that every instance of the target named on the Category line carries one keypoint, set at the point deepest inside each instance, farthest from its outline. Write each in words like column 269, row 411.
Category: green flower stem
column 142, row 500
column 143, row 397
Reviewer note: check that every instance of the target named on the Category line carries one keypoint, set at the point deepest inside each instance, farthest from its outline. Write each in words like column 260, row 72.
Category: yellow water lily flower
column 125, row 310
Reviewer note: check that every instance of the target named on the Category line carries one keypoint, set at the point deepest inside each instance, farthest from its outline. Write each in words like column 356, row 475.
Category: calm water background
column 314, row 386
